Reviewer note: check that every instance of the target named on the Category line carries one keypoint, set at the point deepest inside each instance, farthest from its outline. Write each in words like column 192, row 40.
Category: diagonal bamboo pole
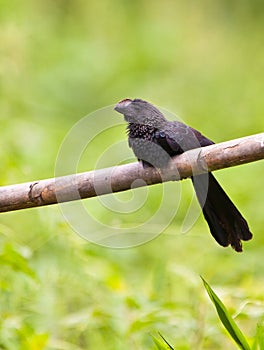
column 121, row 178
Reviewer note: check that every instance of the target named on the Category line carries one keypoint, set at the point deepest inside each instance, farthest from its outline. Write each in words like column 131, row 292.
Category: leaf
column 37, row 342
column 259, row 338
column 170, row 347
column 160, row 345
column 15, row 260
column 226, row 319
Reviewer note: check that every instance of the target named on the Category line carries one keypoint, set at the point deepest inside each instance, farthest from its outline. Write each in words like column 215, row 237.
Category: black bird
column 154, row 140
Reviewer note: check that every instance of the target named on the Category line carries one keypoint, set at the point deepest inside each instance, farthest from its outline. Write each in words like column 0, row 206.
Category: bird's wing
column 180, row 138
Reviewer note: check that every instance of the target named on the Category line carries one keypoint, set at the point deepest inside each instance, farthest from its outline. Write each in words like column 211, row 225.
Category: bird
column 155, row 140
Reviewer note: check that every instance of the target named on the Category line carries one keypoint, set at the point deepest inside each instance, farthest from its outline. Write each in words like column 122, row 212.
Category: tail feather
column 226, row 223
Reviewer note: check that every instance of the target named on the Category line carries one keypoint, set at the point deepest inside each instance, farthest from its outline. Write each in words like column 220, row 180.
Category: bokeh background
column 59, row 61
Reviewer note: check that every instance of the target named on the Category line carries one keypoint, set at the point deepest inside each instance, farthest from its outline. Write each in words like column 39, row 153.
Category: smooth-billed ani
column 154, row 140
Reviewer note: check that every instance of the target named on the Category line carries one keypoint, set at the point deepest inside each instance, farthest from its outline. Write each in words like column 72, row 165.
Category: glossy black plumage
column 155, row 140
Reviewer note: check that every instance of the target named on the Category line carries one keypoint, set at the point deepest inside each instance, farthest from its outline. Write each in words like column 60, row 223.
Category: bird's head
column 140, row 112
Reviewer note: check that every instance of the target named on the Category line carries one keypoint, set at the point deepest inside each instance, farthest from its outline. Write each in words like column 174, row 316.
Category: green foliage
column 259, row 338
column 59, row 61
column 15, row 260
column 162, row 345
column 227, row 319
column 227, row 322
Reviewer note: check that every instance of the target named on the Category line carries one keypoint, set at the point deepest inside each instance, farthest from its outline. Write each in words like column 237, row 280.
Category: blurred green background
column 59, row 61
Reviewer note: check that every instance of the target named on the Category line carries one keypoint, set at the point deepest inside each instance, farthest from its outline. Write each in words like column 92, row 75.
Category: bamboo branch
column 124, row 177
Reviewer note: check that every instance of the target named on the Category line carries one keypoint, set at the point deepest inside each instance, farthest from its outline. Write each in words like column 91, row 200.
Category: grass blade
column 160, row 345
column 259, row 338
column 226, row 319
column 169, row 346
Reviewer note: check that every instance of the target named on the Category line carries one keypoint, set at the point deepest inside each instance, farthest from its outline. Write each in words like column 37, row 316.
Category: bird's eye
column 160, row 134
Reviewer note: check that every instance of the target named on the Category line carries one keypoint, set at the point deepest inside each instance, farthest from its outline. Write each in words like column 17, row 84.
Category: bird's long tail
column 226, row 223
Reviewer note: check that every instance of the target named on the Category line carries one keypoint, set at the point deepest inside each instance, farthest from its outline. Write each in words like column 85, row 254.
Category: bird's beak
column 122, row 105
